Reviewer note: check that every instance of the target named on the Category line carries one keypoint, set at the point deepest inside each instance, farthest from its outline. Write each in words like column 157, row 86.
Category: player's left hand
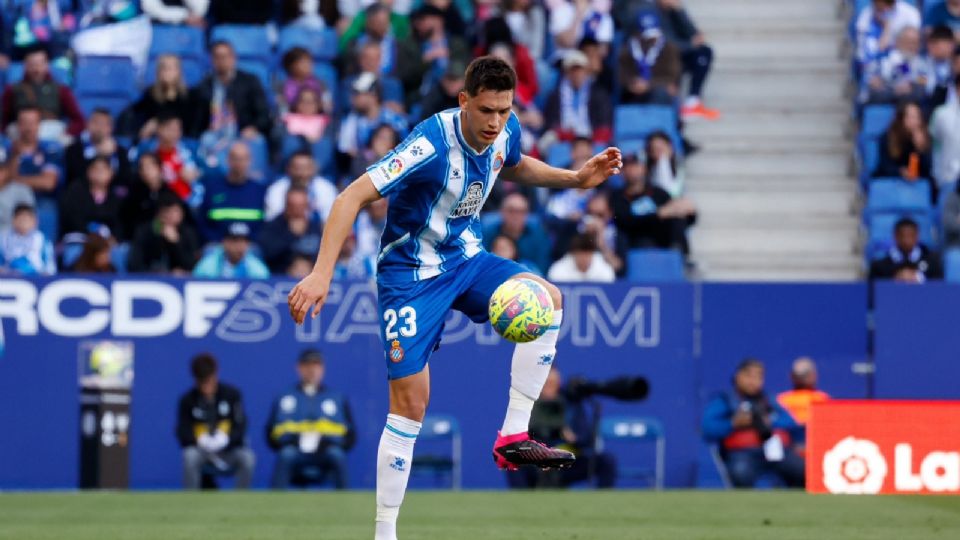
column 600, row 167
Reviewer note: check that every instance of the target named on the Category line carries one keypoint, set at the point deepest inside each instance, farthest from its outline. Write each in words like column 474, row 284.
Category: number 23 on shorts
column 407, row 316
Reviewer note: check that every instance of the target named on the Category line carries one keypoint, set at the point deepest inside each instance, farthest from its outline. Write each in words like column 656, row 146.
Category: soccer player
column 431, row 260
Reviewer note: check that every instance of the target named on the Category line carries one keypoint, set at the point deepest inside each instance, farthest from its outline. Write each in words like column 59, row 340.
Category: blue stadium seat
column 951, row 265
column 559, row 154
column 259, row 69
column 869, row 157
column 636, row 122
column 880, row 226
column 439, row 450
column 194, row 70
column 876, row 120
column 636, row 429
column 185, row 42
column 655, row 265
column 327, row 73
column 322, row 44
column 894, row 194
column 248, row 40
column 105, row 81
column 548, row 78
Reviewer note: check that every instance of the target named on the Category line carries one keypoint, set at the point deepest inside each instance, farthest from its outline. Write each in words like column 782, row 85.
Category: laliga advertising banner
column 889, row 447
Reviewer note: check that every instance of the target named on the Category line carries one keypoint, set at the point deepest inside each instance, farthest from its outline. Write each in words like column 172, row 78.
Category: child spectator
column 91, row 202
column 578, row 107
column 903, row 73
column 167, row 96
column 187, row 12
column 907, row 261
column 167, row 244
column 905, row 148
column 306, row 118
column 298, row 67
column 650, row 67
column 95, row 257
column 301, row 173
column 232, row 259
column 177, row 161
column 665, row 171
column 878, row 26
column 583, row 262
column 24, row 249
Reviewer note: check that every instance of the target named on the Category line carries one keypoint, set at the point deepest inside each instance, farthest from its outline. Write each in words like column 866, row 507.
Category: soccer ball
column 521, row 310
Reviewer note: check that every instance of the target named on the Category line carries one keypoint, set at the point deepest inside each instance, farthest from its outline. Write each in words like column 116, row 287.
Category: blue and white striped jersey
column 437, row 185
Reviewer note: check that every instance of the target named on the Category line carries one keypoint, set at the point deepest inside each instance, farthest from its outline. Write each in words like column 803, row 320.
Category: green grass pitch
column 570, row 515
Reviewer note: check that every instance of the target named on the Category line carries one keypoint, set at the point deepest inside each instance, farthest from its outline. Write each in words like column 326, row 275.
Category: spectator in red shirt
column 176, row 161
column 38, row 89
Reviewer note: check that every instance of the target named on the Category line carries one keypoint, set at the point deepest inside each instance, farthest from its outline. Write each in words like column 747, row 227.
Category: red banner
column 868, row 447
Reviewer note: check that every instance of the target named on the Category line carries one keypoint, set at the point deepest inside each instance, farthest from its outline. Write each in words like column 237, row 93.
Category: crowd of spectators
column 231, row 171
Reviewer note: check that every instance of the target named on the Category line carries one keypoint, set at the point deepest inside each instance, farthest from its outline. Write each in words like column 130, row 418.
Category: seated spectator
column 95, row 257
column 34, row 163
column 98, row 141
column 366, row 113
column 296, row 230
column 907, row 261
column 167, row 244
column 301, row 266
column 598, row 68
column 905, row 148
column 903, row 73
column 369, row 58
column 229, row 102
column 298, row 68
column 650, row 66
column 12, row 193
column 311, row 429
column 232, row 259
column 24, row 249
column 429, row 52
column 56, row 104
column 496, row 32
column 230, row 196
column 40, row 23
column 646, row 215
column 598, row 223
column 305, row 121
column 562, row 417
column 177, row 162
column 878, row 26
column 352, row 264
column 943, row 94
column 167, row 96
column 566, row 207
column 457, row 14
column 945, row 13
column 940, row 52
column 573, row 20
column 799, row 401
column 529, row 237
column 951, row 218
column 446, row 94
column 311, row 15
column 187, row 12
column 212, row 426
column 369, row 228
column 662, row 164
column 377, row 23
column 528, row 24
column 91, row 203
column 241, row 11
column 945, row 133
column 383, row 139
column 679, row 29
column 141, row 204
column 505, row 247
column 753, row 433
column 583, row 262
column 302, row 173
column 578, row 107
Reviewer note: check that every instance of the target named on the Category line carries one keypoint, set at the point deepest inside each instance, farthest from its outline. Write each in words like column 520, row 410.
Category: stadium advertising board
column 884, row 447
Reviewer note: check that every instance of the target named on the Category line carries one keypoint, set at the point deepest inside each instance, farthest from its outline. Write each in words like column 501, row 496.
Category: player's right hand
column 311, row 292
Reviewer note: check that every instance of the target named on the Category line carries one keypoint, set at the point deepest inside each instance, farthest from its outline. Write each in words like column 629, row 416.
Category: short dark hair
column 293, row 56
column 222, row 43
column 165, row 116
column 489, row 73
column 23, row 207
column 941, row 32
column 905, row 222
column 300, row 154
column 583, row 242
column 203, row 366
column 101, row 110
column 166, row 199
column 99, row 159
column 297, row 189
column 149, row 156
column 887, row 2
column 748, row 363
column 310, row 355
column 37, row 48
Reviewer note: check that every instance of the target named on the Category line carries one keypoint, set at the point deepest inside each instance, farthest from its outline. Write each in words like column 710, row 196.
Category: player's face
column 485, row 115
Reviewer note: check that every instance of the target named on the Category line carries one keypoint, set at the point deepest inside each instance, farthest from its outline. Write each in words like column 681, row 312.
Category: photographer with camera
column 752, row 431
column 567, row 416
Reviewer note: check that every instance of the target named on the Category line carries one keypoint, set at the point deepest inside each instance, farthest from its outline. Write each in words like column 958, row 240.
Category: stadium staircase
column 777, row 202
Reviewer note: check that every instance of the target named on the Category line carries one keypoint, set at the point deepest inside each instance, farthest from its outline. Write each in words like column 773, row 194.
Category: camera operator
column 567, row 416
column 752, row 431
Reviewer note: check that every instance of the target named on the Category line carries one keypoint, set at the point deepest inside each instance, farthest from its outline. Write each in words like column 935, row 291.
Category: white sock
column 394, row 457
column 528, row 371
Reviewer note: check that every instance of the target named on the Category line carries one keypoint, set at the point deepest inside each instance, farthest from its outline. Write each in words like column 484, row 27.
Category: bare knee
column 409, row 396
column 410, row 407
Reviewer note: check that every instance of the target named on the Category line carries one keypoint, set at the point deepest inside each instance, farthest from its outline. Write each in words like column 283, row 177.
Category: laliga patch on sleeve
column 412, row 155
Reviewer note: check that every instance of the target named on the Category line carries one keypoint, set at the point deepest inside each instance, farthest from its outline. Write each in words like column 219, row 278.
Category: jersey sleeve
column 513, row 156
column 400, row 165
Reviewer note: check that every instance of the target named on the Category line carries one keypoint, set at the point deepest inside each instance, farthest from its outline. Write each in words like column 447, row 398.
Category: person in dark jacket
column 294, row 231
column 167, row 96
column 311, row 428
column 647, row 215
column 98, row 140
column 39, row 90
column 166, row 245
column 91, row 202
column 679, row 29
column 211, row 428
column 241, row 11
column 752, row 431
column 228, row 96
column 908, row 260
column 141, row 203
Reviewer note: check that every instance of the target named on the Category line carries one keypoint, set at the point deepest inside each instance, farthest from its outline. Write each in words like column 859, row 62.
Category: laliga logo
column 854, row 467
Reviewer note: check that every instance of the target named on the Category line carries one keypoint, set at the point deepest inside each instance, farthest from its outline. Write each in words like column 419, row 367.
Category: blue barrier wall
column 684, row 338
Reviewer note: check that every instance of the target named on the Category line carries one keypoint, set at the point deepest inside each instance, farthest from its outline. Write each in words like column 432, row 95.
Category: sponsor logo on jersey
column 470, row 204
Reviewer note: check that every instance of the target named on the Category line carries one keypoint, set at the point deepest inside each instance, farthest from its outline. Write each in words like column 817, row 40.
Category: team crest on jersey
column 396, row 352
column 470, row 204
column 498, row 162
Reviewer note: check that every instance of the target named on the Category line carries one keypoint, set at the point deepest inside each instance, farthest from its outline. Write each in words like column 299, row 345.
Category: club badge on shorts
column 396, row 351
